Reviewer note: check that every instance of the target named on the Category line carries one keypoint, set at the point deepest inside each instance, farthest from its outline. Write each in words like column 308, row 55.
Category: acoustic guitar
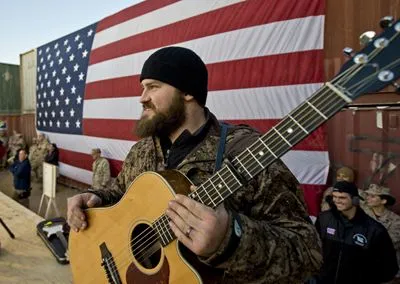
column 122, row 245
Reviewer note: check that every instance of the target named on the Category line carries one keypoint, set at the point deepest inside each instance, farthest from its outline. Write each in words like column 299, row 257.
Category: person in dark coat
column 356, row 248
column 21, row 169
column 52, row 155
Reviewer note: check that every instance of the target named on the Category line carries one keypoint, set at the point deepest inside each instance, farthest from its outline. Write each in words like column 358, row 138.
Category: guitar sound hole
column 145, row 246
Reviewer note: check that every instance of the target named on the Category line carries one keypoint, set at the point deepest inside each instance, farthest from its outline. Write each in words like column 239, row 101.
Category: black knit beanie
column 347, row 187
column 179, row 67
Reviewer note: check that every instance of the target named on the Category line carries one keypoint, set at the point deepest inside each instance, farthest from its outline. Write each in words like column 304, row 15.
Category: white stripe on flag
column 75, row 173
column 155, row 19
column 309, row 167
column 294, row 35
column 110, row 148
column 276, row 102
column 315, row 173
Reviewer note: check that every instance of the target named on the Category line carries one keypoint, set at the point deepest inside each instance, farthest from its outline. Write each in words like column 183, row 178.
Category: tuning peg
column 366, row 37
column 386, row 21
column 348, row 51
column 386, row 76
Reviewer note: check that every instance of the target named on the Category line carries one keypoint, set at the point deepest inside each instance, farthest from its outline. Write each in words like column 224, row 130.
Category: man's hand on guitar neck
column 199, row 227
column 76, row 204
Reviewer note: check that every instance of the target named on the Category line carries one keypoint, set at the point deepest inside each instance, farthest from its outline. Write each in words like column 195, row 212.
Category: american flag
column 263, row 57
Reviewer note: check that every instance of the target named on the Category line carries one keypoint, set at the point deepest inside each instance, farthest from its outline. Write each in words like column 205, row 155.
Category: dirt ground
column 63, row 192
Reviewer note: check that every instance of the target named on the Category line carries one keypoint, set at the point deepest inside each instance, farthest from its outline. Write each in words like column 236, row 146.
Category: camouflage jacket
column 4, row 140
column 101, row 174
column 278, row 245
column 15, row 143
column 34, row 156
column 391, row 221
column 42, row 150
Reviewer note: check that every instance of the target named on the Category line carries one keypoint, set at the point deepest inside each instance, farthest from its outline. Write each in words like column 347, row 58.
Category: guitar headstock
column 374, row 67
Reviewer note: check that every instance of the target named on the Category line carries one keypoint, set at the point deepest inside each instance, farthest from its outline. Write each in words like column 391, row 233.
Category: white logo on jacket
column 360, row 240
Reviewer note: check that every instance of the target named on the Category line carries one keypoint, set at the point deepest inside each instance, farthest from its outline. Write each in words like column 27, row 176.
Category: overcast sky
column 27, row 24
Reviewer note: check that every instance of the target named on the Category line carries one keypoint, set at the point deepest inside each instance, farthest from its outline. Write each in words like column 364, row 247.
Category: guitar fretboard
column 264, row 151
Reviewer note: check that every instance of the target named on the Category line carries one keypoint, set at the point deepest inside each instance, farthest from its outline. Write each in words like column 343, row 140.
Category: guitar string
column 256, row 161
column 363, row 83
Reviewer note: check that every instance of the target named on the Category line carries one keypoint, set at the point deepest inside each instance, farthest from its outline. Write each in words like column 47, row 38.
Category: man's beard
column 162, row 124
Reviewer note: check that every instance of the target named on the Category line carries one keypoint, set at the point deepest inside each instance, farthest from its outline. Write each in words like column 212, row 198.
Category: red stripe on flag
column 124, row 130
column 132, row 12
column 252, row 13
column 274, row 70
column 313, row 196
column 110, row 128
column 85, row 161
column 286, row 69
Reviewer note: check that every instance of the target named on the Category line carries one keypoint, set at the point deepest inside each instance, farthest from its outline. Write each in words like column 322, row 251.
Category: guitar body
column 145, row 201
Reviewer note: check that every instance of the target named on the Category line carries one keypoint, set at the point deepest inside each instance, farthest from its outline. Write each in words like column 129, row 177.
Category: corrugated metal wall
column 28, row 81
column 363, row 137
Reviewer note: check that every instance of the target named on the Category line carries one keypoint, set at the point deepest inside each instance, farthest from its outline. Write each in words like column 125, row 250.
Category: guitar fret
column 265, row 145
column 284, row 139
column 295, row 121
column 317, row 110
column 212, row 201
column 338, row 92
column 243, row 167
column 239, row 183
column 224, row 182
column 201, row 200
column 255, row 158
column 215, row 188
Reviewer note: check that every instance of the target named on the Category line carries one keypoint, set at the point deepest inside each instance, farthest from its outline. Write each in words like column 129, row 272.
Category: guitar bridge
column 109, row 265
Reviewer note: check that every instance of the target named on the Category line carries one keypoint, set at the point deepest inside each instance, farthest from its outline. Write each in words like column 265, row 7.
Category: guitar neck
column 271, row 146
column 303, row 120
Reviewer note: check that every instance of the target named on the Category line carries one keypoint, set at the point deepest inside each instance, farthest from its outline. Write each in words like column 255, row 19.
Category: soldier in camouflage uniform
column 34, row 159
column 101, row 171
column 15, row 143
column 377, row 203
column 41, row 151
column 262, row 233
column 4, row 144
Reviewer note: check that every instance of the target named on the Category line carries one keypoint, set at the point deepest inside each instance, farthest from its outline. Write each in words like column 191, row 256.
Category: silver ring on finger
column 188, row 231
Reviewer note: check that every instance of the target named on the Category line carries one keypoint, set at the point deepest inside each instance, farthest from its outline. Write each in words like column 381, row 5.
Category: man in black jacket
column 21, row 170
column 356, row 248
